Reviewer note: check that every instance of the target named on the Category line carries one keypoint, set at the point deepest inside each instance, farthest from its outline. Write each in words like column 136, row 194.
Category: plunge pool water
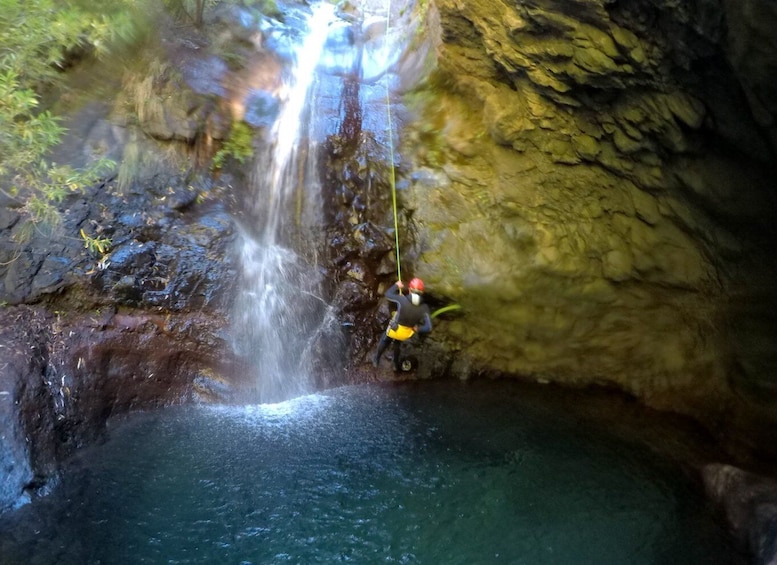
column 432, row 473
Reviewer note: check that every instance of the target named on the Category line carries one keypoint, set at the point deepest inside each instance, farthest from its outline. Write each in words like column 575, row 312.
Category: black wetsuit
column 408, row 314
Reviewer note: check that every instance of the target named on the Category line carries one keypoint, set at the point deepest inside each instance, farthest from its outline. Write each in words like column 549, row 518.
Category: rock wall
column 24, row 405
column 63, row 376
column 749, row 502
column 592, row 183
column 90, row 333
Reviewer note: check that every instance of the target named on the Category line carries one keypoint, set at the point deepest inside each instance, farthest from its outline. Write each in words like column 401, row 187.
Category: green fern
column 239, row 146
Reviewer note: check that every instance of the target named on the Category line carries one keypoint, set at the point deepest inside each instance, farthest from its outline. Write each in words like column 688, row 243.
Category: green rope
column 393, row 179
column 445, row 309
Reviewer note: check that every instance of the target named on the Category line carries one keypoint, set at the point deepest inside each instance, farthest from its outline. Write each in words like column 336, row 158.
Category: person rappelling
column 412, row 315
column 410, row 318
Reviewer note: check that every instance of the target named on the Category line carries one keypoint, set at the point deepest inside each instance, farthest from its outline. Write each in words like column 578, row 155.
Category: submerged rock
column 749, row 502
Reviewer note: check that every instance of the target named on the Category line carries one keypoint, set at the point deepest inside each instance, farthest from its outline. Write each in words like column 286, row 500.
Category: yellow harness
column 402, row 333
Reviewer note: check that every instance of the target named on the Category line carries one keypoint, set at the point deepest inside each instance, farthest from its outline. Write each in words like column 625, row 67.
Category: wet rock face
column 63, row 376
column 135, row 323
column 25, row 406
column 161, row 254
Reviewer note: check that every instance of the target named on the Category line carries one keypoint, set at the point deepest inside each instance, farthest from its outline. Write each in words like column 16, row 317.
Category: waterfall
column 281, row 325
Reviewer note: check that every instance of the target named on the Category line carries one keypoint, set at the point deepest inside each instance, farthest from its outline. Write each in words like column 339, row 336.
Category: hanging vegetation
column 38, row 39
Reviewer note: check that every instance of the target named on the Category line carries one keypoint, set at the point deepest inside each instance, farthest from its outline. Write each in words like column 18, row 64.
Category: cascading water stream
column 280, row 316
column 282, row 175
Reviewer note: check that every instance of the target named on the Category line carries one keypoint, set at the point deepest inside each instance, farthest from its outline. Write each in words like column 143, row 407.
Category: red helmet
column 416, row 285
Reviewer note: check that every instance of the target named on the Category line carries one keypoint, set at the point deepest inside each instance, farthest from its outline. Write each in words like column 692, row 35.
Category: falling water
column 280, row 316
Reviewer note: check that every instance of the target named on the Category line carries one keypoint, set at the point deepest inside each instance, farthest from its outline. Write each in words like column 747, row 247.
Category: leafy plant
column 238, row 146
column 36, row 39
column 96, row 244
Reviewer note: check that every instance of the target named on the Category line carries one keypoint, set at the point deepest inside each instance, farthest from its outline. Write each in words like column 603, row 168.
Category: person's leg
column 382, row 345
column 397, row 355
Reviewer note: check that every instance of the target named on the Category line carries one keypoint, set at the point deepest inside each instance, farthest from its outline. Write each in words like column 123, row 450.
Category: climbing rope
column 392, row 178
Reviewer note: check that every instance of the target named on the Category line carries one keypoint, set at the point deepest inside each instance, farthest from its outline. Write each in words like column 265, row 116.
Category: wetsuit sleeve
column 392, row 294
column 426, row 327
